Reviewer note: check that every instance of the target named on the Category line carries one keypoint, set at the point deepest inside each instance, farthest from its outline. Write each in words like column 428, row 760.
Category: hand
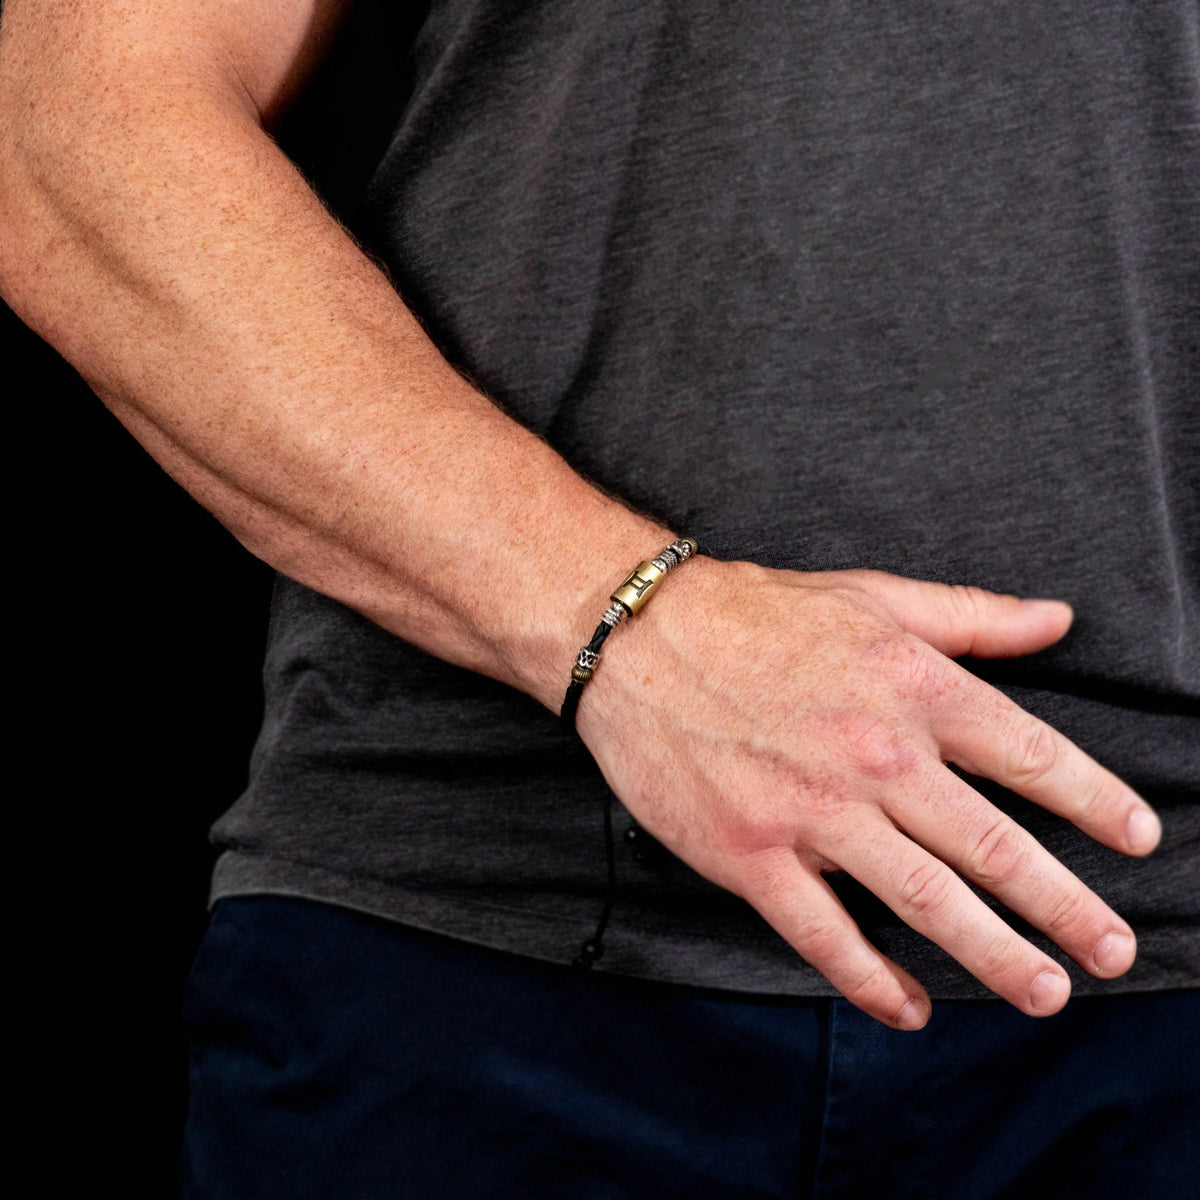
column 771, row 726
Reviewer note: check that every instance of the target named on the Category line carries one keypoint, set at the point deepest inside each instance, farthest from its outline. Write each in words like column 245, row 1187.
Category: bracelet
column 626, row 600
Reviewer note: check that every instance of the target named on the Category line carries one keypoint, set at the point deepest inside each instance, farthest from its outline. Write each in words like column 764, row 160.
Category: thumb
column 959, row 620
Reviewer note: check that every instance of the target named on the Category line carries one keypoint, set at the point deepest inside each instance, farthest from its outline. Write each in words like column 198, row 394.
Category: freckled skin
column 768, row 726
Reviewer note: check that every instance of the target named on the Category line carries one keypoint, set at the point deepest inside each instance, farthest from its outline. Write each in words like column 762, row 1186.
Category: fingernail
column 1055, row 606
column 1143, row 829
column 1049, row 992
column 1114, row 953
column 912, row 1016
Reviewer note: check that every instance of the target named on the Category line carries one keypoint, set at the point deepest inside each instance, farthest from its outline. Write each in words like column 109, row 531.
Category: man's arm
column 154, row 233
column 767, row 726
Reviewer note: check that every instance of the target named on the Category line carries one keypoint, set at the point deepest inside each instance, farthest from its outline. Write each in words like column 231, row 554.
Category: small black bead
column 591, row 951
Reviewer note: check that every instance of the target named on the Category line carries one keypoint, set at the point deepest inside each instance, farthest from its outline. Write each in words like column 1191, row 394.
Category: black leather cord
column 593, row 949
column 575, row 690
column 626, row 600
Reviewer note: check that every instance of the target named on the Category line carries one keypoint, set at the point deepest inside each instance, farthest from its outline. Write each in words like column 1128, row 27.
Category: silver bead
column 587, row 658
column 614, row 614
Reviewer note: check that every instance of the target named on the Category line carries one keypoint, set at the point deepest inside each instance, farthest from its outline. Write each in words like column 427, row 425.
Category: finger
column 959, row 620
column 957, row 825
column 984, row 732
column 804, row 910
column 926, row 894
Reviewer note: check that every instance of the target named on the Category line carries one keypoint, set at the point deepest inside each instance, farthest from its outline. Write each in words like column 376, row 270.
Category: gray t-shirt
column 905, row 285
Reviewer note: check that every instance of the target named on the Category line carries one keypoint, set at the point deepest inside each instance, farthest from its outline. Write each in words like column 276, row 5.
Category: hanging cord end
column 627, row 600
column 592, row 951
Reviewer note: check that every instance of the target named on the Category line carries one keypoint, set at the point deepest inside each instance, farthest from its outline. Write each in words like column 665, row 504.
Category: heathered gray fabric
column 904, row 285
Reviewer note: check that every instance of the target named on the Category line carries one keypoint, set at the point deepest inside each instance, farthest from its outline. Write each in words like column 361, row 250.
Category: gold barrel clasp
column 637, row 589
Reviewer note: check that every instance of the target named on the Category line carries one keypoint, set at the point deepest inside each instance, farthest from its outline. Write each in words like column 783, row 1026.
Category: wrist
column 654, row 653
column 629, row 598
column 569, row 599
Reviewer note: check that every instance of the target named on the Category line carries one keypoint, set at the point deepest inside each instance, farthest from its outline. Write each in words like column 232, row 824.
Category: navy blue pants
column 341, row 1057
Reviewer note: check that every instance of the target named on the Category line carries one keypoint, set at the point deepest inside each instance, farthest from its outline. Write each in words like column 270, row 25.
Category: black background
column 136, row 643
column 138, row 625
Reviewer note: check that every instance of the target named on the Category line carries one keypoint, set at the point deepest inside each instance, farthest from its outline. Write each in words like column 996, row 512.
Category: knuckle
column 1068, row 913
column 998, row 958
column 755, row 823
column 877, row 749
column 1035, row 752
column 820, row 942
column 745, row 836
column 1095, row 798
column 763, row 872
column 970, row 601
column 922, row 675
column 843, row 592
column 926, row 890
column 822, row 806
column 1000, row 855
column 911, row 665
column 866, row 986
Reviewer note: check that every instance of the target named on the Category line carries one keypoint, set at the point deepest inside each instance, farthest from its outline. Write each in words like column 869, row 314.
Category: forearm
column 156, row 235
